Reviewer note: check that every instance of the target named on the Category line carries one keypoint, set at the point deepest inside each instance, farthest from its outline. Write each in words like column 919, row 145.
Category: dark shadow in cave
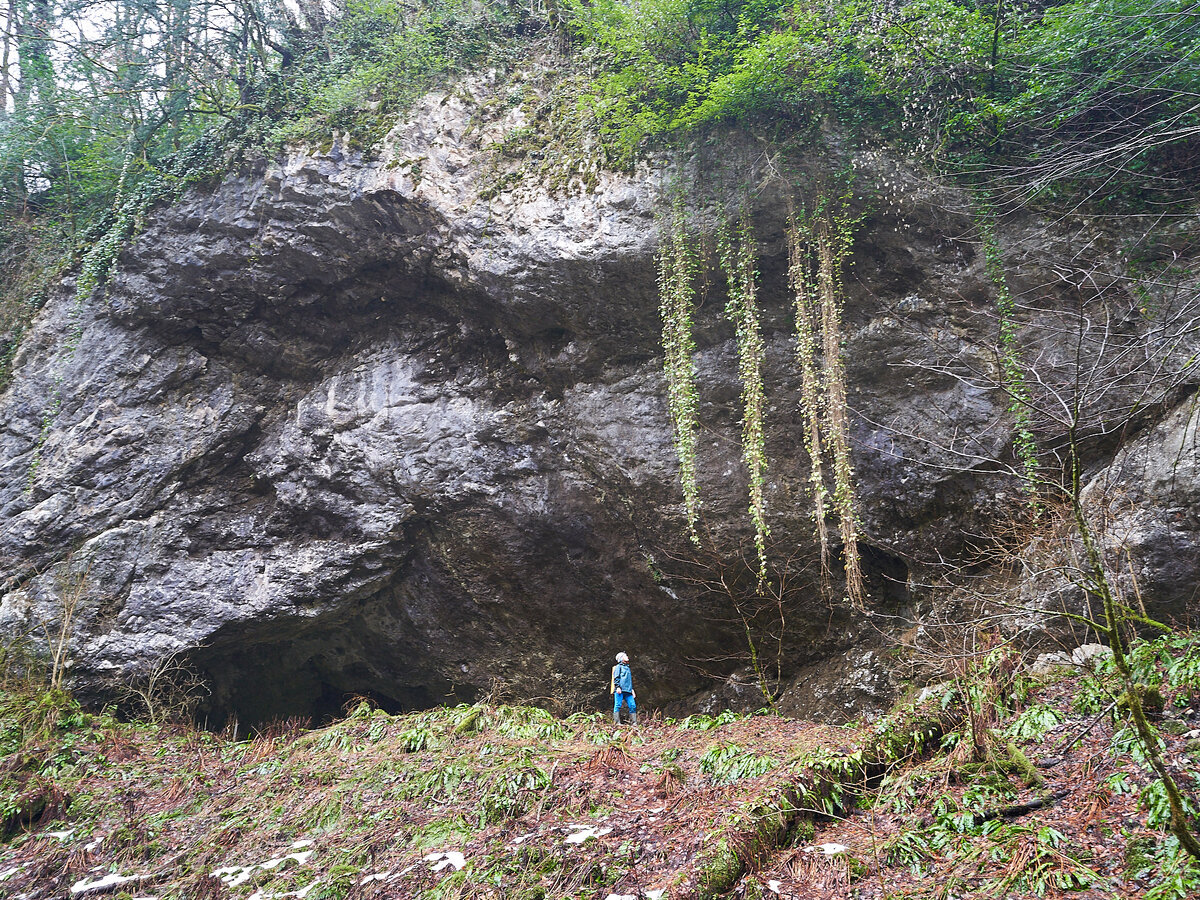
column 315, row 676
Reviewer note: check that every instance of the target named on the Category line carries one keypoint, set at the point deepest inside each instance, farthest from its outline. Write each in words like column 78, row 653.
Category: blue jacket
column 622, row 679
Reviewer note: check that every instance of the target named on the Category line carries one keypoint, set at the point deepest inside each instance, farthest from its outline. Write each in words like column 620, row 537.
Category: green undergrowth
column 999, row 783
column 1042, row 791
column 536, row 805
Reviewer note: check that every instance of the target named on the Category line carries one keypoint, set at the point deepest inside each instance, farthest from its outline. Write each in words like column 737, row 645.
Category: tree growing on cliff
column 1085, row 377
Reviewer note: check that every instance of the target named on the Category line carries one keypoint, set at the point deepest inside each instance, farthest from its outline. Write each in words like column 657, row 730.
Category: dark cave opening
column 254, row 685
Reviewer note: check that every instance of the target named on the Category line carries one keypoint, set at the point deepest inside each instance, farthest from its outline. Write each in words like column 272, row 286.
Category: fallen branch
column 770, row 823
column 1020, row 809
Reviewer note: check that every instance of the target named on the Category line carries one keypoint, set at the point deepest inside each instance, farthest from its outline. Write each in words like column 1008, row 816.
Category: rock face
column 341, row 426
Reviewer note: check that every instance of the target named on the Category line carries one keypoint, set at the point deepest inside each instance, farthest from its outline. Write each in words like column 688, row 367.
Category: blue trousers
column 618, row 696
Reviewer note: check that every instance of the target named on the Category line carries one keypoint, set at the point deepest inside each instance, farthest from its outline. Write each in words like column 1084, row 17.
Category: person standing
column 621, row 687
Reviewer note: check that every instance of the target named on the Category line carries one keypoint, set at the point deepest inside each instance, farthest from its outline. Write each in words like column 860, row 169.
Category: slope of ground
column 1004, row 785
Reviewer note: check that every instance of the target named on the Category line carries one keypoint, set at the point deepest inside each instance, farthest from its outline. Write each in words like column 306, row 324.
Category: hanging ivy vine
column 806, row 304
column 1012, row 375
column 737, row 249
column 817, row 253
column 677, row 269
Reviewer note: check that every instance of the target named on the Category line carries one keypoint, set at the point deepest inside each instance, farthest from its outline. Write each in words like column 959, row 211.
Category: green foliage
column 727, row 763
column 1102, row 88
column 1097, row 92
column 738, row 252
column 377, row 57
column 506, row 792
column 29, row 715
column 529, row 723
column 1041, row 862
column 677, row 269
column 1173, row 661
column 701, row 722
column 1033, row 723
column 417, row 738
column 1179, row 872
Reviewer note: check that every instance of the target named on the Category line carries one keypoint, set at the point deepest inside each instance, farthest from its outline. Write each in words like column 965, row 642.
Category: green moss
column 471, row 721
column 1151, row 698
column 1140, row 856
column 1018, row 763
column 718, row 874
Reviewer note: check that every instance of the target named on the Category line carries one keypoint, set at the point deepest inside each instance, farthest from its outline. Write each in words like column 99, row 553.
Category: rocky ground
column 510, row 802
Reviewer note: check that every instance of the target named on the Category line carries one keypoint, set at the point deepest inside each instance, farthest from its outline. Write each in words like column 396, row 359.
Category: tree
column 1083, row 377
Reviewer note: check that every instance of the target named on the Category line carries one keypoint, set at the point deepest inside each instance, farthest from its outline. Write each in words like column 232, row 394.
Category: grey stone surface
column 340, row 426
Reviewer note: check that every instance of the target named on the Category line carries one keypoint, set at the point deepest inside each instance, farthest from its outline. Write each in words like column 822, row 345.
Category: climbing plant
column 817, row 252
column 818, row 247
column 737, row 249
column 805, row 309
column 677, row 269
column 1012, row 373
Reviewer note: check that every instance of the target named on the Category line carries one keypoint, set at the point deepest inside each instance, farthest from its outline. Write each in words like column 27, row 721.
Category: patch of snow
column 580, row 833
column 828, row 849
column 378, row 876
column 775, row 887
column 656, row 894
column 93, row 845
column 234, row 875
column 301, row 858
column 449, row 858
column 299, row 894
column 61, row 835
column 9, row 873
column 621, row 897
column 300, row 845
column 111, row 880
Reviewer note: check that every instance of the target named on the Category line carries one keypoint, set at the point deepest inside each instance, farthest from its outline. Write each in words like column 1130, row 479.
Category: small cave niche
column 886, row 577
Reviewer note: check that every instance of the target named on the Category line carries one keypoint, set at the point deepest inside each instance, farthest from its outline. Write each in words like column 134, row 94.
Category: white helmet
column 622, row 658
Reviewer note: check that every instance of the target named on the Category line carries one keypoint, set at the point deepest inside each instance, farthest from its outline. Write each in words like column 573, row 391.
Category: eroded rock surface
column 341, row 426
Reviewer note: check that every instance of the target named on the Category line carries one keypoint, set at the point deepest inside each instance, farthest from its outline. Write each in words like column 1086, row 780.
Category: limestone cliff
column 341, row 425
